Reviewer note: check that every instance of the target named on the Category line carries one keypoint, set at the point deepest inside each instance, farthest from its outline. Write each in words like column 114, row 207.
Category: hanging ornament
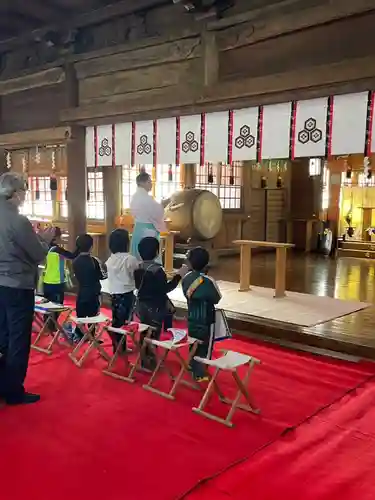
column 279, row 182
column 210, row 175
column 66, row 193
column 259, row 166
column 53, row 179
column 270, row 166
column 348, row 169
column 170, row 173
column 24, row 164
column 9, row 160
column 37, row 156
column 25, row 170
column 278, row 167
column 231, row 174
column 367, row 168
column 263, row 182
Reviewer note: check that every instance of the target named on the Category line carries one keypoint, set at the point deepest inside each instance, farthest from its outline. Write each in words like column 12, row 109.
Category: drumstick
column 176, row 207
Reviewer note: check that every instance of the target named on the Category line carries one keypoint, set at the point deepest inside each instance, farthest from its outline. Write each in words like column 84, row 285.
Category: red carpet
column 330, row 458
column 93, row 437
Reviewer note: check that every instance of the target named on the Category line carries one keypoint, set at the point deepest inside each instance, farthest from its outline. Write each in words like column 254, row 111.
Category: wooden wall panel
column 150, row 78
column 32, row 109
column 177, row 50
column 305, row 195
column 331, row 43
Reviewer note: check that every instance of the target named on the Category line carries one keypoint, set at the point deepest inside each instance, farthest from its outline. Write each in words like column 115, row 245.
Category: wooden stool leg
column 280, row 279
column 206, row 397
column 184, row 369
column 245, row 268
column 124, row 355
column 149, row 387
column 141, row 350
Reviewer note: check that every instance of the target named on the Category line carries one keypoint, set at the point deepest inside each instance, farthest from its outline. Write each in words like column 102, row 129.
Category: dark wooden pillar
column 112, row 197
column 77, row 180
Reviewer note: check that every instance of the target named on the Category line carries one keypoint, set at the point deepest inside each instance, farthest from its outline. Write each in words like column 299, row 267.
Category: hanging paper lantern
column 210, row 174
column 170, row 173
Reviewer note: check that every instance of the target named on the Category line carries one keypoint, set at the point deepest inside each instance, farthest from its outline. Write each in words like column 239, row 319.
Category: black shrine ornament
column 231, row 175
column 263, row 182
column 53, row 183
column 37, row 191
column 210, row 174
column 279, row 182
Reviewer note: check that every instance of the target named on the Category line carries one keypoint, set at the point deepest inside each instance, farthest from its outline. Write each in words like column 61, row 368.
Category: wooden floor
column 344, row 278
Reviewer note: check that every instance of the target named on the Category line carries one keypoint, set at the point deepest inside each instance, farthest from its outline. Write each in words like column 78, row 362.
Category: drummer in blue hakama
column 148, row 214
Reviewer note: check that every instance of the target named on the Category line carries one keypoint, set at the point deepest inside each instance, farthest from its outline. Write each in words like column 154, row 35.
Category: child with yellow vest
column 55, row 275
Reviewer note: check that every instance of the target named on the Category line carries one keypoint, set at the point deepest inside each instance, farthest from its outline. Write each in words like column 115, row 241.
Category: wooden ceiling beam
column 35, row 9
column 121, row 8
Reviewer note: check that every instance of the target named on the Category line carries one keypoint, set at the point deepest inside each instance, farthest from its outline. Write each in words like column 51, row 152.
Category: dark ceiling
column 18, row 17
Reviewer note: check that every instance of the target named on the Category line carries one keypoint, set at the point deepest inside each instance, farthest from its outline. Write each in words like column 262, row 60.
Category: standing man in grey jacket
column 21, row 250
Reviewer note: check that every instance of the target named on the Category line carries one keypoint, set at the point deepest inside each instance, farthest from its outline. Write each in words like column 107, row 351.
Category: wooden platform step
column 358, row 245
column 359, row 254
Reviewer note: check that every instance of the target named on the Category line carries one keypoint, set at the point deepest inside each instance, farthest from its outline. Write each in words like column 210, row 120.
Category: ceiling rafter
column 63, row 19
column 35, row 9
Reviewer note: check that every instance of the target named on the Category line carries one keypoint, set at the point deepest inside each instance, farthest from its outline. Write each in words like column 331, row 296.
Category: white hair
column 10, row 183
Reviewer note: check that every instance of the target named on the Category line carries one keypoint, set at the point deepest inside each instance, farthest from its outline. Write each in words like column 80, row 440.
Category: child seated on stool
column 120, row 267
column 89, row 272
column 153, row 304
column 202, row 295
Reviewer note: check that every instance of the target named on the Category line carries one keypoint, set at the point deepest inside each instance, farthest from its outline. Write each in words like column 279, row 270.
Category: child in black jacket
column 153, row 305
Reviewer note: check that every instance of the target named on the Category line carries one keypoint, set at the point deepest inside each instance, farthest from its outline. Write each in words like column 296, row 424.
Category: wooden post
column 112, row 199
column 280, row 278
column 168, row 252
column 77, row 179
column 210, row 58
column 245, row 268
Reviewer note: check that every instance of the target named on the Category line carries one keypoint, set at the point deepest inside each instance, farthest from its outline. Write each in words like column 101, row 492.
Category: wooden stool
column 92, row 336
column 229, row 362
column 45, row 318
column 180, row 340
column 131, row 330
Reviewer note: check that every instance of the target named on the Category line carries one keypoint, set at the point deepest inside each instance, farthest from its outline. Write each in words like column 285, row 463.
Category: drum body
column 195, row 213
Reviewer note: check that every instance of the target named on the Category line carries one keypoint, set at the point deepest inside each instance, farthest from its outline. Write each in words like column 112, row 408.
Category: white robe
column 146, row 210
